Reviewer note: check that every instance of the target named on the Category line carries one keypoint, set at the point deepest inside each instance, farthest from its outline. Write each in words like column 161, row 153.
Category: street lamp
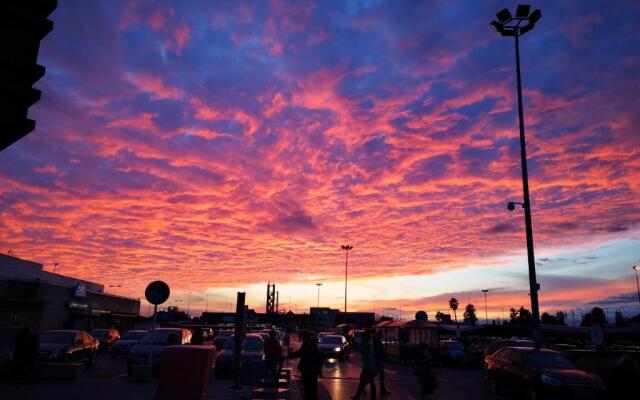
column 318, row 285
column 346, row 248
column 115, row 287
column 508, row 25
column 486, row 317
column 636, row 268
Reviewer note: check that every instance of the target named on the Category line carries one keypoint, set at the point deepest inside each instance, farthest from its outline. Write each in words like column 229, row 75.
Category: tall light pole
column 636, row 268
column 318, row 285
column 346, row 248
column 508, row 25
column 486, row 315
column 55, row 267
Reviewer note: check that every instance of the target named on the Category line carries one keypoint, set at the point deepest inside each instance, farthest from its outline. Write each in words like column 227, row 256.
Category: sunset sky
column 218, row 145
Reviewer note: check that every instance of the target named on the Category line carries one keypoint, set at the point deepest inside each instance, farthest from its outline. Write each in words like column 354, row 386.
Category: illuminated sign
column 77, row 306
column 80, row 290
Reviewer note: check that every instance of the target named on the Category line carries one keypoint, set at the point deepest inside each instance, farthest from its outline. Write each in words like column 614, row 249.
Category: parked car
column 452, row 352
column 477, row 350
column 333, row 346
column 500, row 343
column 220, row 338
column 122, row 346
column 540, row 374
column 251, row 354
column 68, row 346
column 153, row 344
column 107, row 337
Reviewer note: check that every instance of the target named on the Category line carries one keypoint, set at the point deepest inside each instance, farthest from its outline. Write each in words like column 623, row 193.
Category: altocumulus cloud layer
column 221, row 143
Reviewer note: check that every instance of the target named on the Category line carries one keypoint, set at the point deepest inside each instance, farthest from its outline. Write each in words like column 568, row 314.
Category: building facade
column 44, row 300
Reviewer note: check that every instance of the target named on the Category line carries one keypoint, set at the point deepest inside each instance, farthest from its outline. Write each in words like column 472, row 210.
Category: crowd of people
column 373, row 363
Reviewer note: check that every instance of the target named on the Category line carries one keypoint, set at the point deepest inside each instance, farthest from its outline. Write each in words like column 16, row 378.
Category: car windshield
column 57, row 337
column 100, row 333
column 160, row 336
column 225, row 333
column 133, row 335
column 331, row 340
column 252, row 343
column 454, row 346
column 547, row 359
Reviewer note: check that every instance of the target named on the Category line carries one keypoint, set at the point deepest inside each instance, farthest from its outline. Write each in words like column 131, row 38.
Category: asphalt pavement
column 108, row 381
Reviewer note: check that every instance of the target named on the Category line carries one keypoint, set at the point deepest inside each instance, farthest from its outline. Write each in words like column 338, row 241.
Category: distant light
column 636, row 267
column 504, row 15
column 523, row 10
column 535, row 16
column 497, row 26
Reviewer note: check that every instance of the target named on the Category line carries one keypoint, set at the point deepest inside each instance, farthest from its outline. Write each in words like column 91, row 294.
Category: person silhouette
column 310, row 365
column 369, row 367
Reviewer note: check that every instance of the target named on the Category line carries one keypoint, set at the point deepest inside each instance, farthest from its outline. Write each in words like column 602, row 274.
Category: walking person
column 24, row 347
column 369, row 367
column 424, row 372
column 272, row 357
column 310, row 365
column 381, row 357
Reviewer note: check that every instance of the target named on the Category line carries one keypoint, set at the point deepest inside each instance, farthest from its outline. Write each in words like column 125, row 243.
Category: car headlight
column 550, row 380
column 337, row 349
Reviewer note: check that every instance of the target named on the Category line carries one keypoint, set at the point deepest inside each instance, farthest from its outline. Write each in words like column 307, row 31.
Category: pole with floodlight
column 516, row 26
column 346, row 248
column 318, row 285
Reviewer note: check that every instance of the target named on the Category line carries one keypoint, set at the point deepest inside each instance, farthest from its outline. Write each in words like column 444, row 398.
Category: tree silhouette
column 442, row 317
column 453, row 304
column 596, row 315
column 520, row 317
column 470, row 314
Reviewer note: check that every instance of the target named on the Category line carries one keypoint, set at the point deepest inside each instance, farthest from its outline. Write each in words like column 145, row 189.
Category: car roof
column 524, row 349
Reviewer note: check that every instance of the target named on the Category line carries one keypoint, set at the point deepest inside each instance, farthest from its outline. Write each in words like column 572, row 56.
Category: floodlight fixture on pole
column 346, row 248
column 516, row 26
column 318, row 285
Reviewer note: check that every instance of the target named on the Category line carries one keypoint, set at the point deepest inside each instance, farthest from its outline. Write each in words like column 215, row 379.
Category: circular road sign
column 421, row 316
column 157, row 292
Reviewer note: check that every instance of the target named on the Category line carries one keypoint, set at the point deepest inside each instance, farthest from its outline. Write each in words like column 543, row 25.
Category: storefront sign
column 77, row 306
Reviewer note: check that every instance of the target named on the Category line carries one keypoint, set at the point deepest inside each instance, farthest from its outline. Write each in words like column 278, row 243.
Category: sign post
column 239, row 337
column 157, row 292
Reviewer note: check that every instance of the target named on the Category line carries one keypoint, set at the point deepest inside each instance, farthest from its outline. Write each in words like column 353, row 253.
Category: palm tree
column 453, row 304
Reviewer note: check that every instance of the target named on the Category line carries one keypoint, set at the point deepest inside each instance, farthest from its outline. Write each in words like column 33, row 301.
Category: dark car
column 122, row 346
column 333, row 346
column 107, row 337
column 220, row 338
column 68, row 346
column 500, row 343
column 540, row 374
column 153, row 344
column 452, row 352
column 251, row 355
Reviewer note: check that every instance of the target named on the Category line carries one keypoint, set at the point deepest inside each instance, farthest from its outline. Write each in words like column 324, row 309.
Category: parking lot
column 339, row 381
